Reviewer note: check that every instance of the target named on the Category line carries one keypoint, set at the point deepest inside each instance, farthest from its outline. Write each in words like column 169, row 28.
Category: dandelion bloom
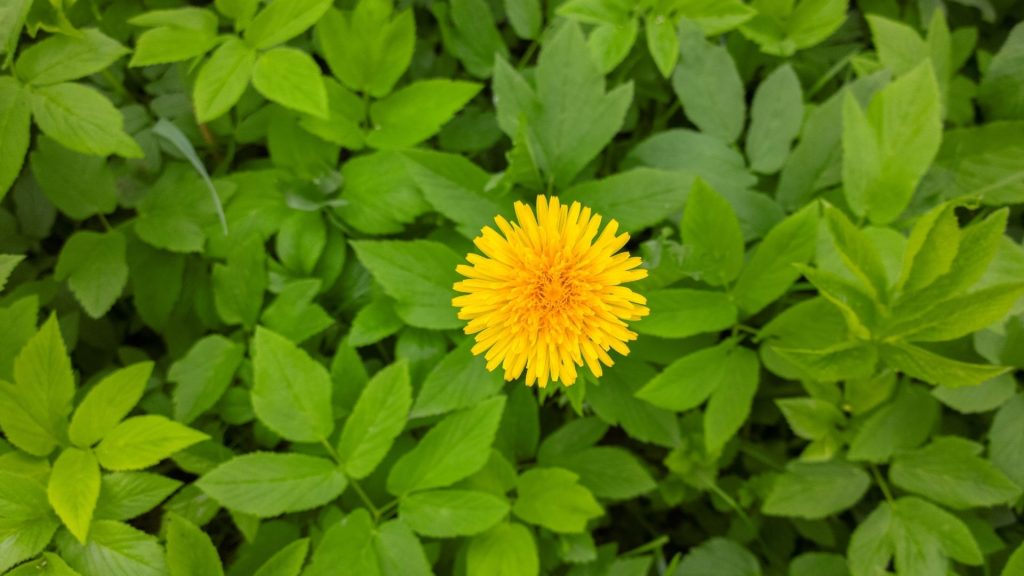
column 548, row 295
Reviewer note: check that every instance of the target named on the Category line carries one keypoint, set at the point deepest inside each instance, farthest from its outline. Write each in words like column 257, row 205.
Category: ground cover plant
column 245, row 328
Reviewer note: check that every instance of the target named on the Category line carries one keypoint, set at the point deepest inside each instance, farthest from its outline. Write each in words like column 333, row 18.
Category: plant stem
column 366, row 499
column 882, row 484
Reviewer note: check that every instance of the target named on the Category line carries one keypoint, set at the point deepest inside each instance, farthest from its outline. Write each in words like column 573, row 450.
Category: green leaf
column 1000, row 94
column 377, row 419
column 731, row 401
column 610, row 43
column 951, row 472
column 202, row 375
column 300, row 241
column 568, row 116
column 474, row 38
column 8, row 262
column 114, row 549
column 721, row 557
column 107, row 403
column 776, row 116
column 900, row 48
column 287, row 561
column 814, row 490
column 382, row 196
column 291, row 78
column 961, row 315
column 984, row 397
column 417, row 111
column 125, row 495
column 858, row 253
column 82, row 119
column 49, row 564
column 810, row 418
column 708, row 85
column 770, row 270
column 19, row 319
column 345, row 115
column 614, row 401
column 80, row 186
column 15, row 121
column 978, row 161
column 292, row 392
column 266, row 484
column 176, row 211
column 636, row 199
column 34, row 410
column 142, row 441
column 189, row 549
column 681, row 312
column 608, row 472
column 935, row 369
column 459, row 380
column 901, row 424
column 786, row 27
column 687, row 382
column 28, row 523
column 400, row 551
column 93, row 264
column 508, row 549
column 525, row 17
column 1016, row 562
column 278, row 23
column 346, row 548
column 1007, row 441
column 374, row 322
column 419, row 275
column 453, row 449
column 174, row 35
column 222, row 79
column 74, row 488
column 931, row 248
column 368, row 48
column 294, row 314
column 238, row 285
column 451, row 513
column 60, row 58
column 553, row 498
column 662, row 42
column 712, row 236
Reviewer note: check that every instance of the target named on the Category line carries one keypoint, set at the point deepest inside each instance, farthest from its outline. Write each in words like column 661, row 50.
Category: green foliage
column 229, row 235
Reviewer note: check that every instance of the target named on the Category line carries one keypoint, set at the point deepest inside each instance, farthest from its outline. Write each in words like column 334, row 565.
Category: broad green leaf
column 222, row 79
column 142, row 441
column 292, row 391
column 49, row 564
column 176, row 210
column 770, row 270
column 291, row 78
column 818, row 564
column 936, row 369
column 1016, row 562
column 459, row 380
column 300, row 241
column 115, row 549
column 553, row 498
column 155, row 278
column 456, row 187
column 8, row 262
column 525, row 17
column 125, row 495
column 776, row 116
column 79, row 186
column 28, row 522
column 984, row 397
column 810, row 418
column 950, row 471
column 173, row 35
column 568, row 116
column 267, row 484
column 19, row 319
column 1006, row 448
column 346, row 548
column 712, row 236
column 82, row 119
column 614, row 400
column 293, row 313
column 608, row 472
column 455, row 448
column 189, row 549
column 708, row 85
column 346, row 113
column 689, row 381
column 636, row 199
column 107, row 403
column 1000, row 92
column 508, row 549
column 731, row 401
column 202, row 375
column 15, row 120
column 416, row 112
column 902, row 424
column 60, row 58
column 662, row 42
column 278, row 23
column 815, row 490
column 419, row 275
column 473, row 37
column 682, row 312
column 931, row 248
column 381, row 194
column 979, row 161
column 34, row 410
column 715, row 16
column 399, row 551
column 376, row 420
column 790, row 26
column 368, row 48
column 961, row 315
column 374, row 322
column 238, row 285
column 721, row 557
column 74, row 488
column 858, row 253
column 94, row 266
column 610, row 43
column 451, row 513
column 700, row 154
column 900, row 48
column 287, row 561
column 12, row 20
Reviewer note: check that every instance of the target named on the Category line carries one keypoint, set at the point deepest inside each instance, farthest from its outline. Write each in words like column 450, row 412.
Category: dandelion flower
column 547, row 294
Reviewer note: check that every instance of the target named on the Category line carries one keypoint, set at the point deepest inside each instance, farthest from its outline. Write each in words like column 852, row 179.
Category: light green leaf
column 291, row 78
column 608, row 472
column 455, row 448
column 93, row 264
column 300, row 241
column 294, row 314
column 74, row 488
column 901, row 424
column 107, row 403
column 114, row 549
column 399, row 551
column 238, row 285
column 525, row 17
column 459, row 380
column 776, row 116
column 368, row 48
column 721, row 557
column 708, row 85
column 456, row 187
column 610, row 43
column 142, row 441
column 1015, row 564
column 266, row 484
column 15, row 120
column 279, row 22
column 49, row 564
column 176, row 211
column 474, row 37
column 82, row 119
column 202, row 375
column 125, row 495
column 1006, row 449
column 222, row 79
column 345, row 115
column 292, row 392
column 712, row 236
column 451, row 513
column 687, row 382
column 810, row 418
column 374, row 322
column 508, row 549
column 287, row 561
column 979, row 161
column 614, row 401
column 346, row 548
column 377, row 419
column 731, row 401
column 662, row 42
column 174, row 35
column 382, row 196
column 951, row 472
column 189, row 549
column 419, row 275
column 1000, row 93
column 8, row 262
column 552, row 498
column 636, row 199
column 60, row 58
column 814, row 490
column 417, row 111
column 858, row 253
column 79, row 186
column 28, row 522
column 682, row 312
column 786, row 28
column 936, row 369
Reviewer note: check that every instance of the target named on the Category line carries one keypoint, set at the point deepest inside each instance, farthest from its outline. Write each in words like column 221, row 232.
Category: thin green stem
column 882, row 484
column 530, row 51
column 103, row 220
column 366, row 499
column 330, row 450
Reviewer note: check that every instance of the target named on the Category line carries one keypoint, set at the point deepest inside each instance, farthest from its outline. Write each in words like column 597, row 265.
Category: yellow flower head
column 547, row 295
